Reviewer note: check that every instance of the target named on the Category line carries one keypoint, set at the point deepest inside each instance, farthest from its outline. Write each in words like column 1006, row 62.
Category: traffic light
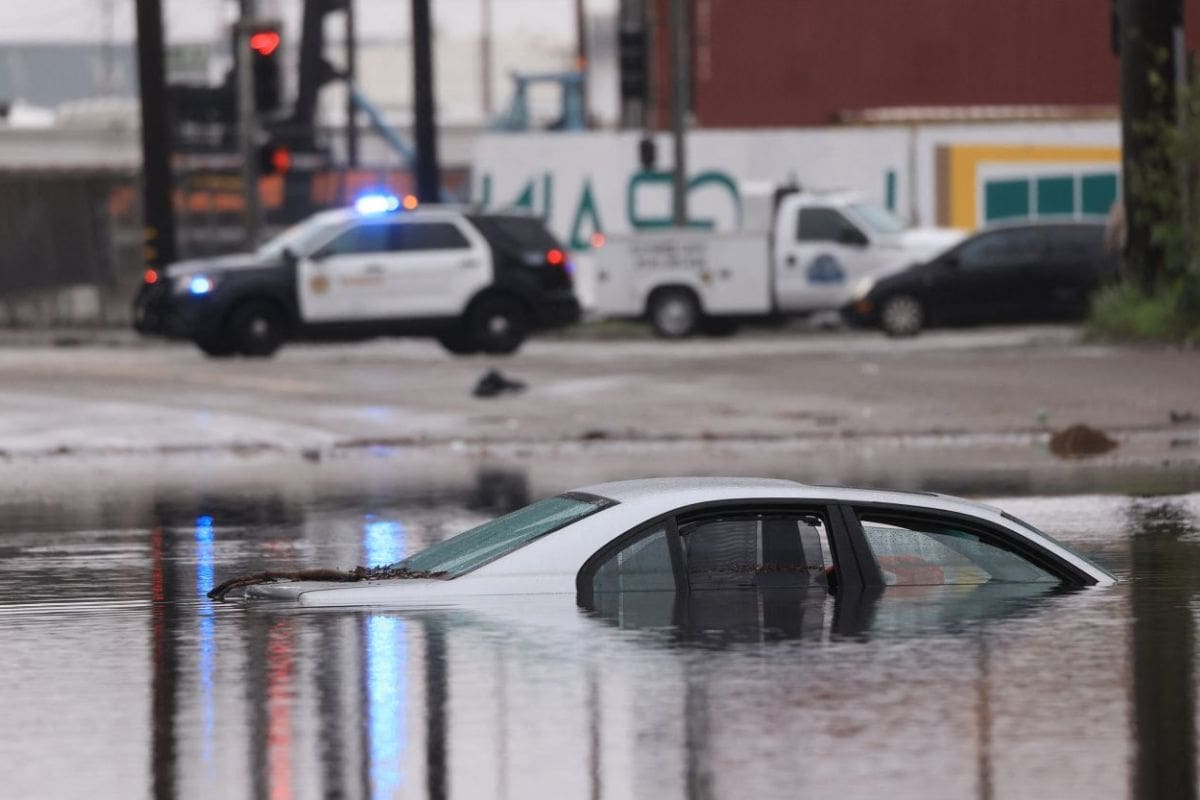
column 632, row 49
column 274, row 159
column 265, row 54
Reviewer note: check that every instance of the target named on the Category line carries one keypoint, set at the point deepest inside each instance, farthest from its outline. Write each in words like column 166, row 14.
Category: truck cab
column 796, row 253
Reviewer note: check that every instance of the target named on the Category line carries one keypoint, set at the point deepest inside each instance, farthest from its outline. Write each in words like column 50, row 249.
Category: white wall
column 561, row 166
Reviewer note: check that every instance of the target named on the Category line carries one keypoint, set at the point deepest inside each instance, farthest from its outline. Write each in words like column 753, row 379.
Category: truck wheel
column 901, row 315
column 674, row 313
column 458, row 342
column 216, row 347
column 256, row 329
column 719, row 328
column 497, row 325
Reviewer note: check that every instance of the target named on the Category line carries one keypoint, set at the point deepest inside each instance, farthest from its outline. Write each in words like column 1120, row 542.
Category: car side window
column 643, row 565
column 426, row 236
column 753, row 551
column 824, row 225
column 1002, row 249
column 933, row 553
column 364, row 238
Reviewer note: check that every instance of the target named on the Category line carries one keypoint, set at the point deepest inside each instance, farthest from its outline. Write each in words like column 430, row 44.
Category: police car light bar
column 376, row 203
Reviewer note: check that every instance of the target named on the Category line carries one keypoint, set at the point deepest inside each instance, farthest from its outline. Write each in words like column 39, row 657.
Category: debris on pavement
column 494, row 383
column 1079, row 441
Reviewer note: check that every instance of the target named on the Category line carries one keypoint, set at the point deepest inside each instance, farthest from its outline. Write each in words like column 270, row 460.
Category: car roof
column 1040, row 223
column 677, row 492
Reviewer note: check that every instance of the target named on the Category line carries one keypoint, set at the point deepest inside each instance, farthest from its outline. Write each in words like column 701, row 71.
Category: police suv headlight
column 196, row 284
column 862, row 288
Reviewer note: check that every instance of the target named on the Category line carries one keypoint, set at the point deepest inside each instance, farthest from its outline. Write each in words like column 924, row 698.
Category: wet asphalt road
column 1018, row 382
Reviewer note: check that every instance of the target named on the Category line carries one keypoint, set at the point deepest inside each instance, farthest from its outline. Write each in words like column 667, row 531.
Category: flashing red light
column 264, row 42
column 597, row 239
column 281, row 159
column 556, row 257
column 150, row 277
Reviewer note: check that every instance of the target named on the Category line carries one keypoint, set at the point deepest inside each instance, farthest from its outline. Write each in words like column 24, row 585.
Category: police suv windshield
column 301, row 238
column 501, row 536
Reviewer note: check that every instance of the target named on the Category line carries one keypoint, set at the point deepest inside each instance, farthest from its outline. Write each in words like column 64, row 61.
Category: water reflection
column 1164, row 561
column 995, row 691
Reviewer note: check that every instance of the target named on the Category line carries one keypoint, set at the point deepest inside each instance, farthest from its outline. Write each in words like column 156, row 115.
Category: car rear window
column 515, row 235
column 499, row 537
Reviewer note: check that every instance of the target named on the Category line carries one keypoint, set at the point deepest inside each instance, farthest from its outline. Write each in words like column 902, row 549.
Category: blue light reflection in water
column 387, row 669
column 204, row 583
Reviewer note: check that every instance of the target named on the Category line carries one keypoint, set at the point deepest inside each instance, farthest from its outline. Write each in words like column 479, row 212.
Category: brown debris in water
column 1080, row 441
column 335, row 575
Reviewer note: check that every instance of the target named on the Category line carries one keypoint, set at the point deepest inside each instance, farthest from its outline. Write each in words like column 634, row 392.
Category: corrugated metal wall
column 802, row 62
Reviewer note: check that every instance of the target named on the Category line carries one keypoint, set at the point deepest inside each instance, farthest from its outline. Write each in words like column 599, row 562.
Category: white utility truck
column 796, row 253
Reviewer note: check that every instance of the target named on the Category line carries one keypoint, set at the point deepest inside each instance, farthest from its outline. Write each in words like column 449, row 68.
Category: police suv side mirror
column 852, row 237
column 289, row 256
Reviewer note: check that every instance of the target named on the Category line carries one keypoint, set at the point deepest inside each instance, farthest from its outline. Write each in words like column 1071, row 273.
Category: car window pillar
column 850, row 547
column 678, row 559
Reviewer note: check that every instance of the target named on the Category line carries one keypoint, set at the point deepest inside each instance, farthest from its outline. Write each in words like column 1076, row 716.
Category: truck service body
column 796, row 253
column 475, row 281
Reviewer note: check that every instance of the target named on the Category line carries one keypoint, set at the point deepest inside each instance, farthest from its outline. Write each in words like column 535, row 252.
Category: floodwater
column 121, row 680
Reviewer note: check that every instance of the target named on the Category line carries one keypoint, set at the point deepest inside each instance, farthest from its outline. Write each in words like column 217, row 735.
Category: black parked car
column 1010, row 273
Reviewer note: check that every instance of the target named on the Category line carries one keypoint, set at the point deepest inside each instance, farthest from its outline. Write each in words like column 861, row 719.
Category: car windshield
column 878, row 218
column 1048, row 537
column 300, row 238
column 499, row 537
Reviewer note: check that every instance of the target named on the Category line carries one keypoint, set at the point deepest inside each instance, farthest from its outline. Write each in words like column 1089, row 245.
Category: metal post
column 429, row 181
column 158, row 215
column 680, row 78
column 247, row 126
column 351, row 107
column 485, row 60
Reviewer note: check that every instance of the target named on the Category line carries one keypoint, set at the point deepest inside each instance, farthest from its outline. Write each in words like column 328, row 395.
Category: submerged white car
column 681, row 536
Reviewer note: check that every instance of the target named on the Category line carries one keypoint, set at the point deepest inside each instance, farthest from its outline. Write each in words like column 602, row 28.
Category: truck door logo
column 825, row 269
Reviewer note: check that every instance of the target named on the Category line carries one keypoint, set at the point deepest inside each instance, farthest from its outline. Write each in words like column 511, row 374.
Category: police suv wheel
column 901, row 315
column 497, row 325
column 459, row 342
column 256, row 329
column 674, row 313
column 216, row 347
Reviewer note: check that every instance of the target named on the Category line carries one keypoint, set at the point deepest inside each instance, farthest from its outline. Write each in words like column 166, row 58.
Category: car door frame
column 847, row 543
column 329, row 292
column 795, row 259
column 997, row 535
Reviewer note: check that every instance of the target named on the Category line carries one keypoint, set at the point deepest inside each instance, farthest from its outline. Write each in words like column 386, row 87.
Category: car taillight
column 556, row 257
column 150, row 277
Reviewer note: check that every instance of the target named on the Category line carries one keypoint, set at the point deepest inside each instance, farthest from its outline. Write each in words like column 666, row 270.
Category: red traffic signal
column 274, row 159
column 264, row 42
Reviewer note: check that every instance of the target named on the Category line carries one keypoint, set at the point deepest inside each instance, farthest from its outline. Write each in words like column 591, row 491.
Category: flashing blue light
column 376, row 203
column 199, row 284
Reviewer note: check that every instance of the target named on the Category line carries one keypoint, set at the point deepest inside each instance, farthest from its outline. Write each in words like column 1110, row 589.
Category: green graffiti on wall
column 585, row 216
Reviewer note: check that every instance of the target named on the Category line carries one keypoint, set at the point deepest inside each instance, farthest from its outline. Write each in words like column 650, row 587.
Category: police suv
column 478, row 282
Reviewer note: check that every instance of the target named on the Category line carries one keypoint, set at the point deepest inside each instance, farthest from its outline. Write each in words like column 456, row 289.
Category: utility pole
column 1145, row 39
column 681, row 53
column 429, row 179
column 158, row 214
column 247, row 126
column 351, row 106
column 581, row 54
